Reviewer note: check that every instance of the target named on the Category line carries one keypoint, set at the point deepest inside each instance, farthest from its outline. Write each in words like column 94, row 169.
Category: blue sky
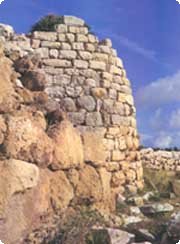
column 146, row 35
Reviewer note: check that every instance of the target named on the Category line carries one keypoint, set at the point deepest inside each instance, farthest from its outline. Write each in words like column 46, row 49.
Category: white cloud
column 175, row 119
column 163, row 140
column 162, row 91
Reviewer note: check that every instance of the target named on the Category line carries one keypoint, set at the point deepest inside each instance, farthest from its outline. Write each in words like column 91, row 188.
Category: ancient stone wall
column 161, row 159
column 89, row 81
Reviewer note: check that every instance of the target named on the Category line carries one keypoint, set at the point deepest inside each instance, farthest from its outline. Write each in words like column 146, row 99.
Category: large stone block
column 87, row 102
column 45, row 36
column 68, row 152
column 26, row 139
column 61, row 191
column 94, row 149
column 94, row 119
column 50, row 44
column 67, row 54
column 57, row 63
column 81, row 64
column 74, row 21
column 97, row 65
column 89, row 188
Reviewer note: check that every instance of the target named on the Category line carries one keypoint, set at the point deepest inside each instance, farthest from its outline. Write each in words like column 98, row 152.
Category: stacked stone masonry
column 88, row 79
column 161, row 159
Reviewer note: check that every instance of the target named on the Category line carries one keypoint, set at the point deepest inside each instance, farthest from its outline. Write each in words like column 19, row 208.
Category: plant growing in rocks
column 47, row 23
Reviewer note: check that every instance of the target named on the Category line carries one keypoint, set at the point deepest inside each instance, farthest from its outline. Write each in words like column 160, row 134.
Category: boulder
column 68, row 152
column 156, row 208
column 94, row 150
column 174, row 227
column 16, row 176
column 8, row 96
column 89, row 188
column 26, row 139
column 61, row 191
column 6, row 30
column 34, row 80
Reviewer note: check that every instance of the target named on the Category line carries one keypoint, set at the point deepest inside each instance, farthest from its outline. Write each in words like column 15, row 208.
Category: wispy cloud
column 135, row 47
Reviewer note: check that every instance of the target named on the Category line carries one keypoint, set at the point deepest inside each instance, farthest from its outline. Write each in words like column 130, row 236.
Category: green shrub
column 47, row 23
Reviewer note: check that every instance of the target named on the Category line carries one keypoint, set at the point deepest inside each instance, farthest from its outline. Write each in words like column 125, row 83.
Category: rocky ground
column 151, row 217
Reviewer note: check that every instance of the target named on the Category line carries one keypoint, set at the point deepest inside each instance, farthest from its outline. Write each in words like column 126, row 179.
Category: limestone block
column 112, row 166
column 104, row 49
column 112, row 94
column 61, row 37
column 73, row 21
column 45, row 36
column 119, row 62
column 99, row 92
column 114, row 131
column 94, row 119
column 35, row 43
column 118, row 178
column 43, row 52
column 78, row 46
column 50, row 44
column 69, row 104
column 68, row 150
column 85, row 55
column 62, row 80
column 94, row 150
column 108, row 106
column 57, row 63
column 92, row 38
column 90, row 47
column 67, row 54
column 81, row 64
column 74, row 91
column 106, row 83
column 70, row 37
column 81, row 38
column 60, row 196
column 89, row 188
column 109, row 144
column 118, row 155
column 119, row 108
column 100, row 57
column 115, row 70
column 78, row 30
column 118, row 79
column 97, row 65
column 87, row 102
column 77, row 118
column 53, row 53
column 65, row 46
column 107, row 42
column 107, row 76
column 61, row 28
column 90, row 82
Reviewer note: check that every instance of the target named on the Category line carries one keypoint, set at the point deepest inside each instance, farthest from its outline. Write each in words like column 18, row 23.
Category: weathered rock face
column 26, row 140
column 68, row 152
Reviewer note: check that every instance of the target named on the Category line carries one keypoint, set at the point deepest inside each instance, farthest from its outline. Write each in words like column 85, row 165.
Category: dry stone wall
column 161, row 159
column 89, row 81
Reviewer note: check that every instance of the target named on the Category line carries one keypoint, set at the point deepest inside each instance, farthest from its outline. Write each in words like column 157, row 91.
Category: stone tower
column 89, row 80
